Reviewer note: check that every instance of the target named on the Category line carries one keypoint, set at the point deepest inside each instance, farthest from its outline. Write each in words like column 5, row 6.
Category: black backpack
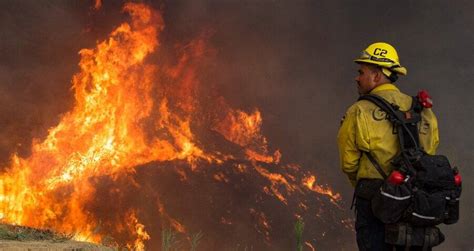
column 422, row 190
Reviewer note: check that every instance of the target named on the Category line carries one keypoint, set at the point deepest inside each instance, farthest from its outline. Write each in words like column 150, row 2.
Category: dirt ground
column 7, row 245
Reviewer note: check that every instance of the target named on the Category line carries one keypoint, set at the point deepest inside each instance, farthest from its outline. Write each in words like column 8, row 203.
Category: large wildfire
column 144, row 150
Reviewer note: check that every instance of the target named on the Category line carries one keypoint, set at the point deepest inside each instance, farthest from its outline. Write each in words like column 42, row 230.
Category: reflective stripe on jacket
column 366, row 129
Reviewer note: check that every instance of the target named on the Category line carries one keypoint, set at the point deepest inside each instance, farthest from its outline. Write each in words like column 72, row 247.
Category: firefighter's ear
column 378, row 76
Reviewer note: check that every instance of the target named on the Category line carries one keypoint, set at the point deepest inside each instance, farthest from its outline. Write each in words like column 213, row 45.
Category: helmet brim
column 400, row 69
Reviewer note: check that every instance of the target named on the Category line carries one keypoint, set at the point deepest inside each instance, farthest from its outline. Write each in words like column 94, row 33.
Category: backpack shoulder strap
column 397, row 118
column 385, row 106
column 405, row 125
column 376, row 165
column 382, row 103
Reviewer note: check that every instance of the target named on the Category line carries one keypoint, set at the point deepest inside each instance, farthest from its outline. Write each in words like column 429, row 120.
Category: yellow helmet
column 383, row 55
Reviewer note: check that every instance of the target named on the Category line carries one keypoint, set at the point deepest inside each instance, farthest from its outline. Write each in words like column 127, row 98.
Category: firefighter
column 365, row 129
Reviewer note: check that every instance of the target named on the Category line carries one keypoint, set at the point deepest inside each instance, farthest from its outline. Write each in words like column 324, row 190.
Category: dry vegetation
column 25, row 238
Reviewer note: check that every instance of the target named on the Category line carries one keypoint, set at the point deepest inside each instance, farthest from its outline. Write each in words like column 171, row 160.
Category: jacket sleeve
column 352, row 139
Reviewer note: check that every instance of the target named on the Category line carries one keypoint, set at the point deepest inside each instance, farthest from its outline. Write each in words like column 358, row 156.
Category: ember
column 139, row 154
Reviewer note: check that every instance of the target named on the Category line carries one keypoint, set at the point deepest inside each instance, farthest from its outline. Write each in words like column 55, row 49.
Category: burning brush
column 139, row 154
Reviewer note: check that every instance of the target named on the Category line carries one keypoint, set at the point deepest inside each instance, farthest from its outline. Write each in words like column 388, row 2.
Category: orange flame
column 310, row 183
column 122, row 118
column 141, row 234
column 308, row 244
column 97, row 4
column 102, row 135
column 242, row 128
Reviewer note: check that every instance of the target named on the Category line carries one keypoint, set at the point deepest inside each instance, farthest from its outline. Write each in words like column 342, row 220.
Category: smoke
column 291, row 59
column 294, row 61
column 38, row 45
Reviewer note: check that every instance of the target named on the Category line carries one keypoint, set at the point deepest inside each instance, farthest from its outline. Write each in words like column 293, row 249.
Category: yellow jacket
column 365, row 129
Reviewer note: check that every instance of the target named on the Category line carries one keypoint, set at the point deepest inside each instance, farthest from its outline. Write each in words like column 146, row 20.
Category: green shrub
column 299, row 228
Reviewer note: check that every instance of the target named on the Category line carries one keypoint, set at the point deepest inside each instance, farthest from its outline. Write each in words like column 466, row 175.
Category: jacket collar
column 384, row 87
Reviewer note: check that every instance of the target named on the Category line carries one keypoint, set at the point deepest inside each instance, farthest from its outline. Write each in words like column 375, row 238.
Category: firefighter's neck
column 379, row 79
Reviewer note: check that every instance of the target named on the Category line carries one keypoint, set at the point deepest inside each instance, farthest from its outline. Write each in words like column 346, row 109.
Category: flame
column 102, row 135
column 242, row 128
column 263, row 226
column 310, row 183
column 277, row 180
column 129, row 112
column 172, row 222
column 97, row 4
column 141, row 234
column 309, row 245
